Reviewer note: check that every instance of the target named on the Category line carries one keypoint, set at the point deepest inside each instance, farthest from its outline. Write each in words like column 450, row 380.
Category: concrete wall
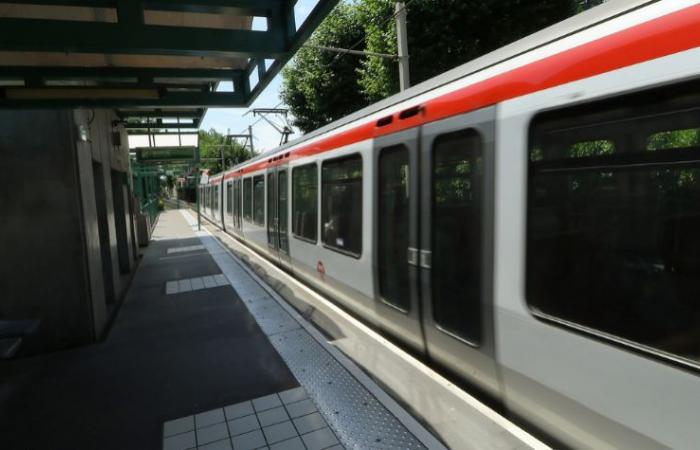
column 59, row 238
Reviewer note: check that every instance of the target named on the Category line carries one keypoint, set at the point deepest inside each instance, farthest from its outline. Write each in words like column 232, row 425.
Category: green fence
column 147, row 191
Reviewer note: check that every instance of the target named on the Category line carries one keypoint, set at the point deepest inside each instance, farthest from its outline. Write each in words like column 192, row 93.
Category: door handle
column 426, row 259
column 412, row 256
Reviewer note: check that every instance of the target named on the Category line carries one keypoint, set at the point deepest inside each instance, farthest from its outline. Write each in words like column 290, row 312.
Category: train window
column 456, row 274
column 248, row 199
column 612, row 237
column 393, row 226
column 305, row 202
column 341, row 204
column 259, row 200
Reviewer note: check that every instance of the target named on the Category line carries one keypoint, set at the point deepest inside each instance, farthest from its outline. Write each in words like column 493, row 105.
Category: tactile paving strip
column 356, row 416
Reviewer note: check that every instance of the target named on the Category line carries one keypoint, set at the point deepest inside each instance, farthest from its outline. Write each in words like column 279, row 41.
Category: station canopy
column 159, row 63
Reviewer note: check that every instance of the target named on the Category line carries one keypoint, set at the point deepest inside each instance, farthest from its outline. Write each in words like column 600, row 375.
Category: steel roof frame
column 130, row 35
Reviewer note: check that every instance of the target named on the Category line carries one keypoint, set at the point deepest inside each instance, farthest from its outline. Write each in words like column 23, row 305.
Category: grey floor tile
column 309, row 423
column 171, row 287
column 209, row 418
column 184, row 285
column 212, row 433
column 266, row 402
column 293, row 395
column 248, row 441
column 243, row 425
column 178, row 426
column 272, row 416
column 290, row 444
column 209, row 281
column 319, row 439
column 182, row 441
column 221, row 280
column 224, row 444
column 301, row 408
column 279, row 432
column 336, row 447
column 239, row 410
column 197, row 284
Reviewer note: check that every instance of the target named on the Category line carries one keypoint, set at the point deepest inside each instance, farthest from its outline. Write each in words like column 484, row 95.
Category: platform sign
column 166, row 154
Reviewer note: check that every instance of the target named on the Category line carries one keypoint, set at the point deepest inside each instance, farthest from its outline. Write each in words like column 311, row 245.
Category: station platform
column 205, row 354
column 200, row 357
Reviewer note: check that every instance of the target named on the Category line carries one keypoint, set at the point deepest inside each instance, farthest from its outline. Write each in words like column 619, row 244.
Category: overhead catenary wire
column 379, row 25
column 341, row 54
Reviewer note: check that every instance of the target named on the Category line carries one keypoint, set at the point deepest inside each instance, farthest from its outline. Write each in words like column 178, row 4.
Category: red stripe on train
column 669, row 34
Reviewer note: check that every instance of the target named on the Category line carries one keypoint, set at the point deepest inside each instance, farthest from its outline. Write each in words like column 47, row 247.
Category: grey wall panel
column 42, row 271
column 119, row 191
column 128, row 222
column 91, row 234
column 103, row 225
column 105, row 149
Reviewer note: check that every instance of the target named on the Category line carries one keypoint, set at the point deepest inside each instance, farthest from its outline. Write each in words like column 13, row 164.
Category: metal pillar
column 402, row 43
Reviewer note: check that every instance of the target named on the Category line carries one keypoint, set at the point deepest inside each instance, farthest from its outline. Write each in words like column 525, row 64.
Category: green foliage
column 674, row 139
column 210, row 144
column 592, row 148
column 320, row 86
column 378, row 77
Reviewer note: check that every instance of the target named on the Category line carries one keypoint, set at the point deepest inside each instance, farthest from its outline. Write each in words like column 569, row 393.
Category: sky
column 225, row 120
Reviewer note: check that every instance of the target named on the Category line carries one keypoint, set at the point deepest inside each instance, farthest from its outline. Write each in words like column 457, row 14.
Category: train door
column 237, row 209
column 278, row 211
column 396, row 237
column 456, row 244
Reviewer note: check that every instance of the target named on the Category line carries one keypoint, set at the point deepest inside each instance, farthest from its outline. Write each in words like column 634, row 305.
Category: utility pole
column 284, row 130
column 250, row 133
column 402, row 44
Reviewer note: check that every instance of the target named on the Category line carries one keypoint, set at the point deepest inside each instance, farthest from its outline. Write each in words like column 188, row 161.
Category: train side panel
column 589, row 388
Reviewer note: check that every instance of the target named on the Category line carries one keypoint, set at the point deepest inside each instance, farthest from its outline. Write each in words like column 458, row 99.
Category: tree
column 210, row 144
column 320, row 87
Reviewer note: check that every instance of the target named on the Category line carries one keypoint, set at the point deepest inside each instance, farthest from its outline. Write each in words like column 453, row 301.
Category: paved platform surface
column 202, row 355
column 166, row 357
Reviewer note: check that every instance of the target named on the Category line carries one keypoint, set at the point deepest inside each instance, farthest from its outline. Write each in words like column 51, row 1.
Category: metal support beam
column 96, row 73
column 234, row 7
column 115, row 98
column 131, row 36
column 313, row 20
column 130, row 12
column 98, row 37
column 260, row 8
column 159, row 125
column 162, row 133
column 146, row 114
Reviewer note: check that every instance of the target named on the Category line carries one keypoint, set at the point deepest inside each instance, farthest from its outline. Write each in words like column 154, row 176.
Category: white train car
column 529, row 221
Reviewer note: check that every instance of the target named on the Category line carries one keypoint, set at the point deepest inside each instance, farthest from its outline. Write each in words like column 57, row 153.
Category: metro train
column 529, row 221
